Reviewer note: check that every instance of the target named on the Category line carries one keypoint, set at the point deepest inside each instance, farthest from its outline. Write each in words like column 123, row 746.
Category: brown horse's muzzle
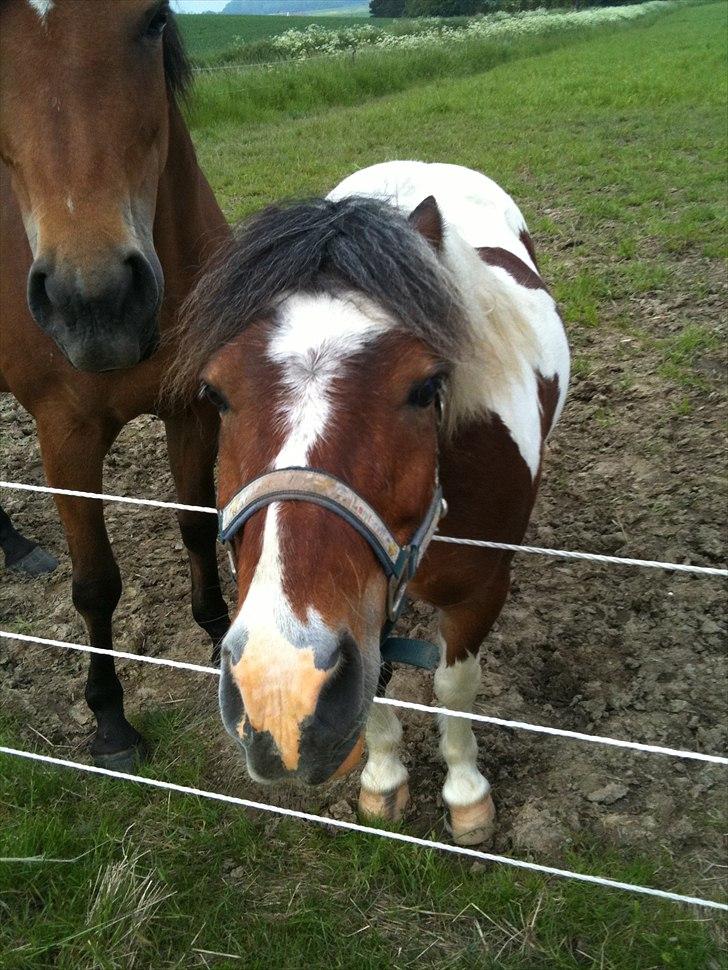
column 104, row 317
column 305, row 725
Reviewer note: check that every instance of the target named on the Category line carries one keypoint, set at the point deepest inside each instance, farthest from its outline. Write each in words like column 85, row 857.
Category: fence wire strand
column 475, row 854
column 353, row 826
column 482, row 543
column 392, row 702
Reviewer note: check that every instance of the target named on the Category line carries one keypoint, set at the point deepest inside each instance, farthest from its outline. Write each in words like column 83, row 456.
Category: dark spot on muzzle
column 328, row 736
column 105, row 319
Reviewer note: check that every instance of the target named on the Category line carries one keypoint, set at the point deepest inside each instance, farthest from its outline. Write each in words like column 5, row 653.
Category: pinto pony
column 365, row 351
column 106, row 222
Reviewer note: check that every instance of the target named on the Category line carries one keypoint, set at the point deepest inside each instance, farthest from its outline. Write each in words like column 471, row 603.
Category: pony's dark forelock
column 354, row 245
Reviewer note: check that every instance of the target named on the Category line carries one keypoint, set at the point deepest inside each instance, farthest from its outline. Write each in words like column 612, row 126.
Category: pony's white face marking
column 70, row 204
column 41, row 7
column 315, row 336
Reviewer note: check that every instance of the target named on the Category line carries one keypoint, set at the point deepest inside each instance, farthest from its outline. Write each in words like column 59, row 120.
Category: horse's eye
column 157, row 24
column 426, row 392
column 215, row 398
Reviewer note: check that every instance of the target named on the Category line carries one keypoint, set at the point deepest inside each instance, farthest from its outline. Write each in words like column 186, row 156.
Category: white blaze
column 41, row 7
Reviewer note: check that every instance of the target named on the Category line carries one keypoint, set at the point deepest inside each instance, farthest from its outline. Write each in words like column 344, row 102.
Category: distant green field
column 209, row 35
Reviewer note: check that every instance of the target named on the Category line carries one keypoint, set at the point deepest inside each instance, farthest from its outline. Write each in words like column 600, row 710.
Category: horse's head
column 85, row 91
column 325, row 333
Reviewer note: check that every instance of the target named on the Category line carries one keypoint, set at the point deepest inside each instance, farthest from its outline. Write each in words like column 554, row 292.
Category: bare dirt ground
column 629, row 653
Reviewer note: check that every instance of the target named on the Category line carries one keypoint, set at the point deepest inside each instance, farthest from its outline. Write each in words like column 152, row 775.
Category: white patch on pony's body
column 70, row 204
column 41, row 7
column 456, row 687
column 516, row 331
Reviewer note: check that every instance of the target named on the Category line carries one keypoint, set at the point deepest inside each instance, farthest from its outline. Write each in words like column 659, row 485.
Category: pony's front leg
column 192, row 447
column 384, row 789
column 73, row 455
column 466, row 793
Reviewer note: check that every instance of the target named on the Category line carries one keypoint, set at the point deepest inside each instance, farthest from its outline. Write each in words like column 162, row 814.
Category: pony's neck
column 189, row 225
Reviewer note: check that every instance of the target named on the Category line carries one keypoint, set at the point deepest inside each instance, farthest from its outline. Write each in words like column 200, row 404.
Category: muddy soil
column 630, row 653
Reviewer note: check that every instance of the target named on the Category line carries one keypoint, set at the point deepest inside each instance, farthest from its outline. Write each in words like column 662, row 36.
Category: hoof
column 128, row 760
column 471, row 824
column 35, row 563
column 386, row 806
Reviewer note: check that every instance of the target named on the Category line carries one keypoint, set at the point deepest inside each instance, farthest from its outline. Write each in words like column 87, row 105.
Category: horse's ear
column 427, row 220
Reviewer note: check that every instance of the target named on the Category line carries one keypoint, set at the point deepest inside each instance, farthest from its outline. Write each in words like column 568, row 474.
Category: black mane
column 177, row 67
column 320, row 246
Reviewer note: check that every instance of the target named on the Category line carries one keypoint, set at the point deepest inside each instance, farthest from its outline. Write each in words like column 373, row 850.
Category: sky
column 198, row 6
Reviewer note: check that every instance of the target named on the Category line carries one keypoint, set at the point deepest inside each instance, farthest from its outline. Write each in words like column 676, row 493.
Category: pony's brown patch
column 520, row 271
column 548, row 397
column 525, row 237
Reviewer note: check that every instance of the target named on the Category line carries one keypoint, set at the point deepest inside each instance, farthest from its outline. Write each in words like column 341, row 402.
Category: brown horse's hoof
column 386, row 806
column 471, row 824
column 128, row 761
column 34, row 563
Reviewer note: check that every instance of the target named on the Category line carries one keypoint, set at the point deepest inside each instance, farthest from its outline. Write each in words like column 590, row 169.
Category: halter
column 320, row 488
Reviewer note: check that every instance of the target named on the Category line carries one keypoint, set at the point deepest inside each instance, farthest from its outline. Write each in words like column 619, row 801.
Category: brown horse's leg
column 20, row 553
column 192, row 446
column 466, row 793
column 73, row 457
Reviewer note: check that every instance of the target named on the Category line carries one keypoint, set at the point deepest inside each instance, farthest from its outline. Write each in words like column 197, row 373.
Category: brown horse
column 395, row 357
column 106, row 223
column 21, row 554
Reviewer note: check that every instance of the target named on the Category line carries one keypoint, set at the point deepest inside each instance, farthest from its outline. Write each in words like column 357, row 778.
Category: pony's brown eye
column 426, row 392
column 215, row 398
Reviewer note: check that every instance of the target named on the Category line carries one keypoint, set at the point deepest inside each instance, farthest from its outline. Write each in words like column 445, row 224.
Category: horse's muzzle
column 287, row 740
column 105, row 318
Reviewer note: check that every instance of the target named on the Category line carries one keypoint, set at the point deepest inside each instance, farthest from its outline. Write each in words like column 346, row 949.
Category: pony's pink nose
column 103, row 318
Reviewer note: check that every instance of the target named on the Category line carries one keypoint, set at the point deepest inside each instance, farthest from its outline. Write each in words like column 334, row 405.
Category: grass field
column 614, row 147
column 209, row 36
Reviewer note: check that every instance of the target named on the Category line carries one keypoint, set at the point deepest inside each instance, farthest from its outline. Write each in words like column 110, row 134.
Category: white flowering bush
column 318, row 40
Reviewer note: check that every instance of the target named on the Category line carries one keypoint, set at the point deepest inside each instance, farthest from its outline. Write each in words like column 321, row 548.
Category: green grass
column 208, row 36
column 295, row 89
column 120, row 876
column 614, row 146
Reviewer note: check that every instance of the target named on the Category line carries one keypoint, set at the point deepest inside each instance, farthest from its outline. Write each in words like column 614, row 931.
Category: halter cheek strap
column 320, row 488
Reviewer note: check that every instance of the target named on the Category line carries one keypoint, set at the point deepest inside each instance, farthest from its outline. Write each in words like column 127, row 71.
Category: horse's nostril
column 142, row 286
column 39, row 301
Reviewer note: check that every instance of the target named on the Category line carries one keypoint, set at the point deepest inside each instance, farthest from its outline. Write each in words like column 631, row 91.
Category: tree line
column 469, row 8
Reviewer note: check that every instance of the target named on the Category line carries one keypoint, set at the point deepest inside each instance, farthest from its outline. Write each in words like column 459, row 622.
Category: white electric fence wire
column 366, row 829
column 507, row 546
column 392, row 702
